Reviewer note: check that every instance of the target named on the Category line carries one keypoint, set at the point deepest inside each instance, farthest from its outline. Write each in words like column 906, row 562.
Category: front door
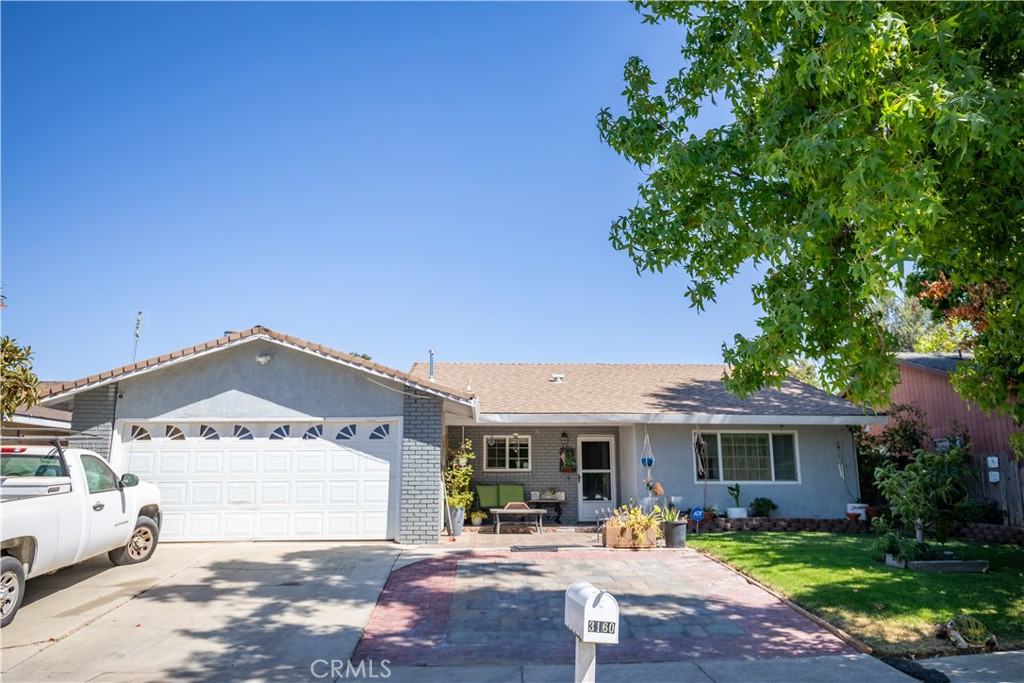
column 596, row 476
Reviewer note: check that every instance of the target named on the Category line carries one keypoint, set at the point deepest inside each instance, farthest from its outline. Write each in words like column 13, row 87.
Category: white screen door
column 596, row 475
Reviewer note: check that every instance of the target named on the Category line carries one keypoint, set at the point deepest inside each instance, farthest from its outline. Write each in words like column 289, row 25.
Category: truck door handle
column 97, row 507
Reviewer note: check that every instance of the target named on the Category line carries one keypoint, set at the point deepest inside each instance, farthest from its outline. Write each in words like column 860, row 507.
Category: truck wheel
column 140, row 546
column 12, row 588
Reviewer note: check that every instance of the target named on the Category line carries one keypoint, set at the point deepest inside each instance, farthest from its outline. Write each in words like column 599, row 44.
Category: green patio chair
column 510, row 493
column 487, row 495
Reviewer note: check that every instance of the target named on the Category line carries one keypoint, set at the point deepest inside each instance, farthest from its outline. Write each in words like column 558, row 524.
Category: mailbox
column 591, row 614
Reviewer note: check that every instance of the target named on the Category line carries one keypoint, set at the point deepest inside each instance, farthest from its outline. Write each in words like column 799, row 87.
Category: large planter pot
column 736, row 513
column 455, row 520
column 860, row 508
column 675, row 534
column 621, row 537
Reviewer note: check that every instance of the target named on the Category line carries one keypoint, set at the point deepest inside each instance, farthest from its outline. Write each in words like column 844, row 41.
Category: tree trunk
column 919, row 530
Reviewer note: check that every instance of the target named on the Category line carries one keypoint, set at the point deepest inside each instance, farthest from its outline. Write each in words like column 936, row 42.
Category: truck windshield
column 24, row 465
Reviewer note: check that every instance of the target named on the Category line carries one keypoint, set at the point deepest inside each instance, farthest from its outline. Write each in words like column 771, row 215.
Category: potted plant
column 457, row 475
column 631, row 527
column 477, row 517
column 860, row 508
column 736, row 512
column 673, row 527
column 762, row 507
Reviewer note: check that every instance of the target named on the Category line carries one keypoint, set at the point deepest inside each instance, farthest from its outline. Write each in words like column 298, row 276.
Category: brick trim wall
column 93, row 415
column 420, row 490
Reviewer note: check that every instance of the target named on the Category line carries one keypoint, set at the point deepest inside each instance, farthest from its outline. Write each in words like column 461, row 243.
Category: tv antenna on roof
column 138, row 327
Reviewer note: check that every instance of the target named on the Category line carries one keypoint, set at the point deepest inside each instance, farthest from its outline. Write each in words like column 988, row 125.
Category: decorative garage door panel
column 241, row 481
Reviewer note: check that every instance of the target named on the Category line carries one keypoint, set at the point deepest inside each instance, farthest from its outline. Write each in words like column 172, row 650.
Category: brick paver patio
column 504, row 606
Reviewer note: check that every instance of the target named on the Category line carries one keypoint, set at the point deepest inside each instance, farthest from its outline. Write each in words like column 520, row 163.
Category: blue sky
column 380, row 178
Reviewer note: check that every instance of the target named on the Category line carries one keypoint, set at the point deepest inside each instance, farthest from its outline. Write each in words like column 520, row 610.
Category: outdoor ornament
column 700, row 447
column 647, row 460
column 568, row 457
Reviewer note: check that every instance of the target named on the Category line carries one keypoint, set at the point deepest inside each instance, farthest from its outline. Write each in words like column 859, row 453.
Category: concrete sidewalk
column 855, row 668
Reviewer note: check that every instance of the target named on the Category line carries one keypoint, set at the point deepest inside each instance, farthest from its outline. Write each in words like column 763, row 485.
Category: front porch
column 532, row 457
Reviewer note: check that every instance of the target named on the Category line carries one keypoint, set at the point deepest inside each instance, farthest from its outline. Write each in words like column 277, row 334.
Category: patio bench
column 520, row 511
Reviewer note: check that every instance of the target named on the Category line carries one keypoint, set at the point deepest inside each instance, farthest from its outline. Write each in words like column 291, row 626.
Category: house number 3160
column 600, row 627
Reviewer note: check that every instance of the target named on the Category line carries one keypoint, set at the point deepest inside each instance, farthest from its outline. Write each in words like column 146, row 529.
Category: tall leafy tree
column 867, row 136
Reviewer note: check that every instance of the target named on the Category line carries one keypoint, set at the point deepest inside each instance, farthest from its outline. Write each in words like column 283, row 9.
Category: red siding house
column 924, row 382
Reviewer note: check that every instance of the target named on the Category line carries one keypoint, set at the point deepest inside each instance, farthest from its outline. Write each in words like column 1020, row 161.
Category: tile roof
column 508, row 388
column 938, row 362
column 57, row 388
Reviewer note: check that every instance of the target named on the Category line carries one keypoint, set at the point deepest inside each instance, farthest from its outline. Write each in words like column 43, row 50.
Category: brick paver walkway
column 504, row 606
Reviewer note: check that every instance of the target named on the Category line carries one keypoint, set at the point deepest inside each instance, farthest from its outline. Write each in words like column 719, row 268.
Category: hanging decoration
column 700, row 449
column 647, row 460
column 567, row 455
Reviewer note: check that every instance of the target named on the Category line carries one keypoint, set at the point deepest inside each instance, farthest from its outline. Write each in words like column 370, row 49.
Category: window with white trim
column 243, row 433
column 346, row 433
column 314, row 432
column 281, row 432
column 748, row 456
column 507, row 452
column 174, row 433
column 208, row 433
column 380, row 432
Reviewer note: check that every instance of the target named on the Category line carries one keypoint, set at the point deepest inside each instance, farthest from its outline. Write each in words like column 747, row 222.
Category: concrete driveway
column 199, row 612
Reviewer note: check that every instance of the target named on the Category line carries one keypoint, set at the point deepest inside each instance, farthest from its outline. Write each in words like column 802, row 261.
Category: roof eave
column 541, row 419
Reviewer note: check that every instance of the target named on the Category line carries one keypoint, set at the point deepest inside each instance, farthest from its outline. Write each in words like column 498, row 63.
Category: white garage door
column 268, row 481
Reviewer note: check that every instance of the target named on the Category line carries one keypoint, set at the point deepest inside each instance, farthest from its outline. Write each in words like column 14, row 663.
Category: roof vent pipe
column 557, row 379
column 431, row 377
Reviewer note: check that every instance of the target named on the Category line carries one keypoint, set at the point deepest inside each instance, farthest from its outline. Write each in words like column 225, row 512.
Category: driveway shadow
column 249, row 611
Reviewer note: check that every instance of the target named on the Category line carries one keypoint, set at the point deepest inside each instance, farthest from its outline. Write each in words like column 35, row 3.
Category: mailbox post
column 593, row 617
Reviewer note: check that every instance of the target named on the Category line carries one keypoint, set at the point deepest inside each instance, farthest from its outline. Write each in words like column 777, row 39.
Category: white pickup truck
column 62, row 506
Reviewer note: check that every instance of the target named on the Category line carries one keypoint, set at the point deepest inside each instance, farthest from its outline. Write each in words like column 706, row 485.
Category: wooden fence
column 1008, row 491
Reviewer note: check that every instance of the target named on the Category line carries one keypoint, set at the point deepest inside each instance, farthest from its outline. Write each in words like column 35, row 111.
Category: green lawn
column 840, row 578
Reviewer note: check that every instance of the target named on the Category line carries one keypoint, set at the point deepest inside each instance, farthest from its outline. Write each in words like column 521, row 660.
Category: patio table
column 527, row 513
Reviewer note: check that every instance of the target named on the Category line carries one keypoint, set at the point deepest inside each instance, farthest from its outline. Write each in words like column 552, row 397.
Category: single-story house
column 793, row 445
column 260, row 435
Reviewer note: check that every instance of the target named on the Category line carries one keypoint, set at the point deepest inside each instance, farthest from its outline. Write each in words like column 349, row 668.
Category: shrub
column 762, row 507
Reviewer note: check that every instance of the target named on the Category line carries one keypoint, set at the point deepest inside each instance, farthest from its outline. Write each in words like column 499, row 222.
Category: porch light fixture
column 565, row 439
column 263, row 358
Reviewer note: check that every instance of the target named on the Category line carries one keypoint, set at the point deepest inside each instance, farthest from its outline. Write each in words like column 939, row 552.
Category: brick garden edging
column 990, row 533
column 719, row 524
column 985, row 533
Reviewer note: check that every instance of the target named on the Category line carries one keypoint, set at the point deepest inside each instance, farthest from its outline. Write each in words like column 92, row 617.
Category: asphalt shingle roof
column 625, row 389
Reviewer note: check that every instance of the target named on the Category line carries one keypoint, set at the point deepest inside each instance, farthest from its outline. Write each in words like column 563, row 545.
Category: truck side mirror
column 128, row 479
